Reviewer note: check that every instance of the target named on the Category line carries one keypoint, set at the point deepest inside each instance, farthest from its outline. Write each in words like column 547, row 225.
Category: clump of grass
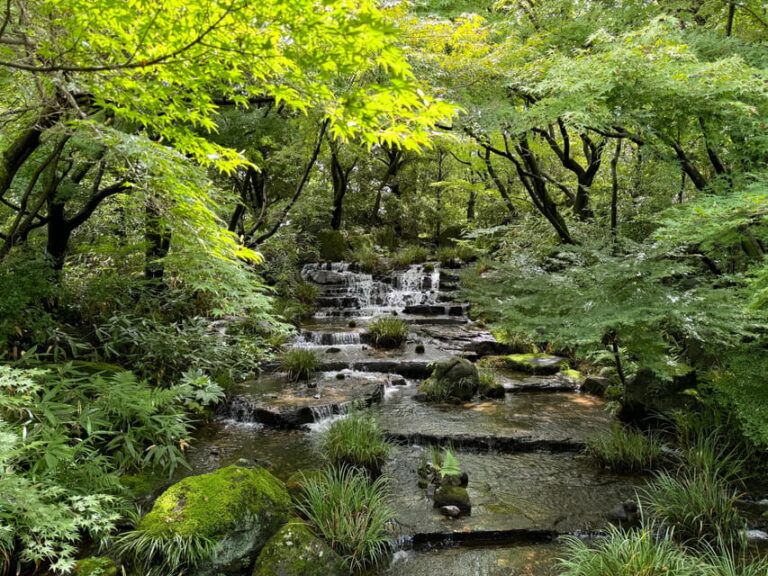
column 388, row 332
column 351, row 514
column 356, row 441
column 627, row 553
column 698, row 507
column 158, row 555
column 728, row 562
column 300, row 363
column 625, row 451
column 410, row 255
column 464, row 253
column 305, row 292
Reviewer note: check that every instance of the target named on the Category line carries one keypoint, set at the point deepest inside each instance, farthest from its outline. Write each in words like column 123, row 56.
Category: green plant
column 305, row 292
column 450, row 464
column 409, row 255
column 388, row 332
column 351, row 514
column 462, row 252
column 697, row 507
column 156, row 555
column 300, row 363
column 725, row 561
column 356, row 441
column 627, row 553
column 625, row 450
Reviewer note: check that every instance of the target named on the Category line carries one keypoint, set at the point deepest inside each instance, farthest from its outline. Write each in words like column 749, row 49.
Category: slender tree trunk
column 731, row 18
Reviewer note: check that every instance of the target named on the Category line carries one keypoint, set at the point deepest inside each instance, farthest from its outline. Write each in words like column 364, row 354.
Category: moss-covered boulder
column 296, row 551
column 456, row 379
column 237, row 508
column 453, row 496
column 535, row 363
column 95, row 566
column 490, row 387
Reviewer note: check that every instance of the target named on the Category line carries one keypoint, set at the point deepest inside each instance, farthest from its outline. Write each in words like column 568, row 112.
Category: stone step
column 437, row 309
column 510, row 494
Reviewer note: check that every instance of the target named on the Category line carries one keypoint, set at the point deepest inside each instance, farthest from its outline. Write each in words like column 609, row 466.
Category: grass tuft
column 351, row 514
column 356, row 441
column 388, row 332
column 300, row 364
column 625, row 451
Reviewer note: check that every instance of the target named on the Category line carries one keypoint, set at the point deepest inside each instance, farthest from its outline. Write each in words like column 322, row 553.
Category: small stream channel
column 529, row 485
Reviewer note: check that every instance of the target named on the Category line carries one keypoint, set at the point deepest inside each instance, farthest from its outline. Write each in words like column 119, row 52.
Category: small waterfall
column 240, row 409
column 345, row 291
column 308, row 339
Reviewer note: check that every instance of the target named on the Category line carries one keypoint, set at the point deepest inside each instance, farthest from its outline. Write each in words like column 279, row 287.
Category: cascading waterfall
column 346, row 291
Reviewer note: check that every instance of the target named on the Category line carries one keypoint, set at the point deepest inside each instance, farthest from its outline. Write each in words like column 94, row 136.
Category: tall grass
column 161, row 555
column 356, row 441
column 388, row 332
column 300, row 363
column 625, row 450
column 351, row 514
column 699, row 508
column 627, row 553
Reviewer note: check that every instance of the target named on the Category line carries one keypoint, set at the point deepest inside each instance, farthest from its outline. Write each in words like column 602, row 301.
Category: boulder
column 460, row 480
column 453, row 496
column 238, row 508
column 95, row 566
column 491, row 388
column 596, row 385
column 648, row 396
column 456, row 379
column 295, row 551
column 535, row 363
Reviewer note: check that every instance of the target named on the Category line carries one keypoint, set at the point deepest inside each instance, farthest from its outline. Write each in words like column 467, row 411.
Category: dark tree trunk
column 340, row 180
column 158, row 243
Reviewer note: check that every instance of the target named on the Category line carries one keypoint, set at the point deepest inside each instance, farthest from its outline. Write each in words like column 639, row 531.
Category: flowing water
column 528, row 483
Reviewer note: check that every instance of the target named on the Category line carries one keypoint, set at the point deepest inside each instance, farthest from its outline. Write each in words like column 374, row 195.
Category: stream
column 528, row 483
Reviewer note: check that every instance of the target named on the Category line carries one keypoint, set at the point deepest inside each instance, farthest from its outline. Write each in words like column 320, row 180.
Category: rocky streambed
column 528, row 484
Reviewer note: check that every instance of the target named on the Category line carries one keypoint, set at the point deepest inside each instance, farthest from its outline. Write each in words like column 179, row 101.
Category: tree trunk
column 158, row 239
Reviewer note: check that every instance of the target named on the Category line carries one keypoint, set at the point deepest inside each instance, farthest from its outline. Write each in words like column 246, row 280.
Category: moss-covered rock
column 296, row 551
column 535, row 363
column 95, row 566
column 490, row 387
column 456, row 379
column 453, row 496
column 238, row 508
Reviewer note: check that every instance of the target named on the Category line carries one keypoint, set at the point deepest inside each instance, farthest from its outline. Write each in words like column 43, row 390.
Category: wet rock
column 326, row 277
column 487, row 347
column 295, row 551
column 450, row 511
column 647, row 396
column 756, row 536
column 460, row 480
column 333, row 350
column 238, row 508
column 397, row 380
column 535, row 363
column 596, row 385
column 491, row 388
column 419, row 349
column 456, row 379
column 626, row 514
column 453, row 496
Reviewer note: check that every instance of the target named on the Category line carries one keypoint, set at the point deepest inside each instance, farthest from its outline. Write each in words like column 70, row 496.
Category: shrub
column 300, row 364
column 356, row 441
column 699, row 508
column 388, row 332
column 627, row 553
column 464, row 253
column 305, row 292
column 625, row 450
column 410, row 255
column 351, row 514
column 333, row 246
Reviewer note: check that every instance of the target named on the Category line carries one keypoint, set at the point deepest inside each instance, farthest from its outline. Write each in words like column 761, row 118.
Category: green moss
column 572, row 374
column 96, row 566
column 296, row 551
column 535, row 363
column 452, row 496
column 213, row 504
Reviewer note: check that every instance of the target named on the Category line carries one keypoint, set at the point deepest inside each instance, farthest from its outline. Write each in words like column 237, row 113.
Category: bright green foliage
column 388, row 332
column 300, row 363
column 625, row 450
column 627, row 553
column 351, row 514
column 449, row 465
column 203, row 518
column 356, row 441
column 697, row 507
